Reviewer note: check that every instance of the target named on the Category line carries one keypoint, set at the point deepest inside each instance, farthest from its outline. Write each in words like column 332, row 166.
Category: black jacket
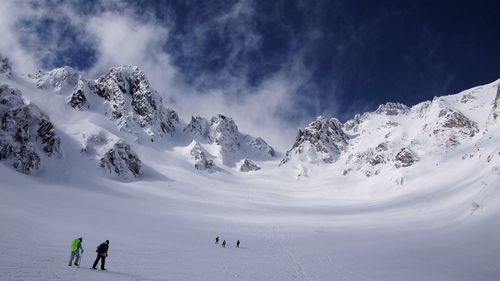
column 102, row 249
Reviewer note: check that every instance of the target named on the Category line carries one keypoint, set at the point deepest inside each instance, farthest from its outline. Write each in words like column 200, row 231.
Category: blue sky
column 273, row 64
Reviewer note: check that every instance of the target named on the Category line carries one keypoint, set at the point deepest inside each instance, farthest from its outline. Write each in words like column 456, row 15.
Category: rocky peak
column 354, row 123
column 61, row 80
column 248, row 166
column 449, row 125
column 261, row 145
column 202, row 162
column 5, row 67
column 392, row 108
column 224, row 132
column 132, row 100
column 405, row 158
column 121, row 161
column 198, row 127
column 322, row 140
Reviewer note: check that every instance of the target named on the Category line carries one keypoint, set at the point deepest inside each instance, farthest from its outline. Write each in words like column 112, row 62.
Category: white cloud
column 10, row 45
column 121, row 37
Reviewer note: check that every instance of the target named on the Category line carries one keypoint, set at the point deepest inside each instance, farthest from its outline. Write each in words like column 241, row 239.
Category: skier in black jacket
column 102, row 253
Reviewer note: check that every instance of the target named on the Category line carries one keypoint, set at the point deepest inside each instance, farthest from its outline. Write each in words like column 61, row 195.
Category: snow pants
column 102, row 258
column 75, row 254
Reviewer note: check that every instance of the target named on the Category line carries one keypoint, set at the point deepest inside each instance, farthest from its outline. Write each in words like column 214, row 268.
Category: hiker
column 238, row 244
column 224, row 244
column 102, row 253
column 217, row 240
column 75, row 247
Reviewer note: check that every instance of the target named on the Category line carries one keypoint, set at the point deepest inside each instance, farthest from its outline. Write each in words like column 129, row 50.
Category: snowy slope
column 372, row 213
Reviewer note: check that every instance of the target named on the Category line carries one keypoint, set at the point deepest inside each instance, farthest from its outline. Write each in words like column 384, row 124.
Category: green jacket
column 75, row 244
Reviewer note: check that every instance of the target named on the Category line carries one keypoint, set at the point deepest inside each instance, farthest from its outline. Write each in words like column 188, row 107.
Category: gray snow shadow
column 123, row 274
column 149, row 174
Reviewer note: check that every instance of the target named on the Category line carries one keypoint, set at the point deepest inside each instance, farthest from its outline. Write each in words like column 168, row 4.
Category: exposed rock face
column 198, row 128
column 249, row 165
column 25, row 132
column 261, row 145
column 354, row 123
column 122, row 161
column 322, row 140
column 78, row 100
column 48, row 136
column 202, row 163
column 131, row 100
column 224, row 132
column 61, row 80
column 405, row 158
column 233, row 146
column 392, row 108
column 447, row 126
column 496, row 105
column 127, row 95
column 5, row 67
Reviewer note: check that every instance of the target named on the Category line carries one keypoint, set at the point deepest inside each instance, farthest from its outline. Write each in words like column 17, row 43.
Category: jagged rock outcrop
column 248, row 166
column 60, row 80
column 5, row 67
column 447, row 126
column 405, row 158
column 47, row 134
column 78, row 100
column 25, row 132
column 368, row 162
column 202, row 162
column 224, row 132
column 496, row 104
column 322, row 140
column 131, row 100
column 198, row 128
column 121, row 161
column 392, row 108
column 355, row 122
column 260, row 145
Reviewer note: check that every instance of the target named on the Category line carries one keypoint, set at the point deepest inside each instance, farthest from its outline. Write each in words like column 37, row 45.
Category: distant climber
column 224, row 244
column 217, row 240
column 102, row 253
column 238, row 244
column 76, row 249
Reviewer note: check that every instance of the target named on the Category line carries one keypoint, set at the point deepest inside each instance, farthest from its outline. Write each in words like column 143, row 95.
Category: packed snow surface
column 430, row 213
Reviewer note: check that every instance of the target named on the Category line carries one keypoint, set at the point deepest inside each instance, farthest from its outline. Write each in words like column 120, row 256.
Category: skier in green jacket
column 75, row 247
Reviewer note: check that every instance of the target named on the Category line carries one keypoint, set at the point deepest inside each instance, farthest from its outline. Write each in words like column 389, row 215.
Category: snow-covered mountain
column 123, row 94
column 114, row 115
column 108, row 159
column 124, row 112
column 396, row 136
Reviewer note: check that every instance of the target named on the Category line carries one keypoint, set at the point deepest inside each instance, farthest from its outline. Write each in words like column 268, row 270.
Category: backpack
column 74, row 245
column 101, row 248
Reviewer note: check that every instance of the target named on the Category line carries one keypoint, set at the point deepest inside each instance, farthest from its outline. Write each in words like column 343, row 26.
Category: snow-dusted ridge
column 396, row 136
column 123, row 106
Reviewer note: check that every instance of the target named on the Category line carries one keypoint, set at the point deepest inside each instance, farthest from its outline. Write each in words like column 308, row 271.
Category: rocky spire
column 322, row 140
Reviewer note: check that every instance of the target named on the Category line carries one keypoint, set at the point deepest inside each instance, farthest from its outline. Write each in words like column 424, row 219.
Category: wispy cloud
column 54, row 33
